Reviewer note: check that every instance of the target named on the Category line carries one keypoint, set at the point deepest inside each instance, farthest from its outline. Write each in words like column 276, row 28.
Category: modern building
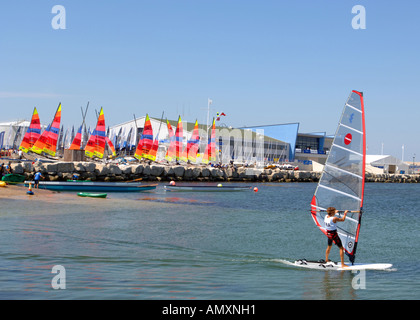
column 278, row 143
column 388, row 164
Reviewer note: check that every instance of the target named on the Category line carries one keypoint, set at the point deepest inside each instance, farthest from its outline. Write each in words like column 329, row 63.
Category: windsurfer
column 331, row 229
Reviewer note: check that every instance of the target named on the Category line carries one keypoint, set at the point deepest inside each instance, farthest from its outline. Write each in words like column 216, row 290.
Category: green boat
column 13, row 178
column 92, row 195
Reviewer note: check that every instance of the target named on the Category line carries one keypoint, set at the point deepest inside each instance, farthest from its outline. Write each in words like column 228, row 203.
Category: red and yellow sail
column 51, row 143
column 210, row 152
column 111, row 146
column 32, row 134
column 146, row 140
column 47, row 142
column 77, row 141
column 95, row 146
column 179, row 137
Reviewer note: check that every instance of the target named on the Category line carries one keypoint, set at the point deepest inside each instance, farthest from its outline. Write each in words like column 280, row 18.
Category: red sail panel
column 32, row 134
column 153, row 151
column 147, row 137
column 111, row 146
column 90, row 147
column 39, row 145
column 146, row 140
column 95, row 146
column 77, row 141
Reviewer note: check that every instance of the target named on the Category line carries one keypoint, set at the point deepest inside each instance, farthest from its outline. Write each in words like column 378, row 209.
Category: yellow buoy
column 2, row 184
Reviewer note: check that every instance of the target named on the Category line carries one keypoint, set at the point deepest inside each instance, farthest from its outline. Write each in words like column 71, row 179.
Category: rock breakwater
column 61, row 171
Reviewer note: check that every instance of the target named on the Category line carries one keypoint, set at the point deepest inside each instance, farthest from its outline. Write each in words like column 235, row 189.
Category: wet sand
column 19, row 192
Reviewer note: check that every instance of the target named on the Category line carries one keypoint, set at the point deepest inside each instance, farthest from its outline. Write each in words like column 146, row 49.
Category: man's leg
column 327, row 253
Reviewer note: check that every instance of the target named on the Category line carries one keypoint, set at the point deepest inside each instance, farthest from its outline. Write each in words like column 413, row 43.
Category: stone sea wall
column 59, row 171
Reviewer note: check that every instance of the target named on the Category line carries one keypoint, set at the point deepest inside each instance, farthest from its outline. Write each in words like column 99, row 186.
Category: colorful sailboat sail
column 146, row 140
column 47, row 142
column 210, row 152
column 343, row 178
column 51, row 143
column 77, row 141
column 179, row 139
column 95, row 146
column 193, row 144
column 39, row 145
column 32, row 134
column 170, row 153
column 111, row 146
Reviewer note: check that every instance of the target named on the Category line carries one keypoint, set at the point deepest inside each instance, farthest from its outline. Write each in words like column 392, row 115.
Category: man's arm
column 341, row 219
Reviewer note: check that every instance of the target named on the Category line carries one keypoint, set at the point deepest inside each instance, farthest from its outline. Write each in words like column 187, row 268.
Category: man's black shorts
column 333, row 236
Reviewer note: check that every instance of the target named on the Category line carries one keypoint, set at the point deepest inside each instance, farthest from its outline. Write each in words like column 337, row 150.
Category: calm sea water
column 167, row 245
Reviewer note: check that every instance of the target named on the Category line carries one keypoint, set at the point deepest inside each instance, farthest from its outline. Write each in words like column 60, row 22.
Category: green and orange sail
column 32, row 134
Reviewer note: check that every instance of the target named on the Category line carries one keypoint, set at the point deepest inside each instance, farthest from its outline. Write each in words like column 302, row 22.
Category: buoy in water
column 30, row 190
column 219, row 185
column 255, row 189
column 172, row 183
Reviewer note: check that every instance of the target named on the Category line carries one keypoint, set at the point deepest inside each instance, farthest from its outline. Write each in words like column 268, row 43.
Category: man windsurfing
column 330, row 221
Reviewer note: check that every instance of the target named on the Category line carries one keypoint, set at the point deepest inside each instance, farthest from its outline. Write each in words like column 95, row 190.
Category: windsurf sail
column 343, row 179
column 32, row 134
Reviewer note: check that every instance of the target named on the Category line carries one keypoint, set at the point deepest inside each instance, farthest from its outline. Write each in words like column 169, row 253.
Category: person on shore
column 1, row 170
column 37, row 177
column 8, row 168
column 330, row 221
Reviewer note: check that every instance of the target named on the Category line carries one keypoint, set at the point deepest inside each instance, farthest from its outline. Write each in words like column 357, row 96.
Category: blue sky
column 261, row 62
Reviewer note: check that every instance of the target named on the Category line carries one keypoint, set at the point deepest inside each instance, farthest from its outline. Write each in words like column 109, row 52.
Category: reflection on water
column 195, row 246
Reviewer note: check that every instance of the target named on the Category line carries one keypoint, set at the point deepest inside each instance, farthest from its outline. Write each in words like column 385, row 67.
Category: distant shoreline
column 96, row 171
